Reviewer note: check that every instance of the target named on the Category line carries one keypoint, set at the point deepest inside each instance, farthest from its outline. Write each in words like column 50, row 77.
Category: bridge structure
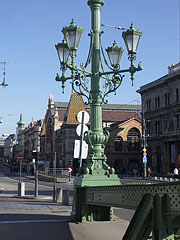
column 157, row 206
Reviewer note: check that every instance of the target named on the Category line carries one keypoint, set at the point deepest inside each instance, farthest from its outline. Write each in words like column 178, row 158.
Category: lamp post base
column 82, row 212
column 96, row 180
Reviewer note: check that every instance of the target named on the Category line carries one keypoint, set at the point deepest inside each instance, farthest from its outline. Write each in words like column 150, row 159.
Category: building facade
column 161, row 112
column 9, row 144
column 50, row 143
column 29, row 140
column 124, row 149
column 59, row 129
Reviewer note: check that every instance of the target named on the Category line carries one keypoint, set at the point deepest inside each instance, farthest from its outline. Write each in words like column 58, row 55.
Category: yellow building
column 124, row 149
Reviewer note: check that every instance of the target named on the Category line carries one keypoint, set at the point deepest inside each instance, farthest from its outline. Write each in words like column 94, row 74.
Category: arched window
column 118, row 144
column 134, row 139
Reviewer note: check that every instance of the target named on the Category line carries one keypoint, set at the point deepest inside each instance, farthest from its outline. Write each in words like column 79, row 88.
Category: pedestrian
column 176, row 172
column 148, row 172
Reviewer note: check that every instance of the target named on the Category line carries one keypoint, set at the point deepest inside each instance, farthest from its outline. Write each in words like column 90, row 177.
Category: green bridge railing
column 157, row 206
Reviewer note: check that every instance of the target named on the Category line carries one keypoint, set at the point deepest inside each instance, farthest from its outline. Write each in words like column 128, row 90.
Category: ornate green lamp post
column 96, row 171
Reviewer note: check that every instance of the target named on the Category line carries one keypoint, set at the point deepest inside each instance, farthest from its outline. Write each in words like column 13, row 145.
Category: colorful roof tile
column 75, row 105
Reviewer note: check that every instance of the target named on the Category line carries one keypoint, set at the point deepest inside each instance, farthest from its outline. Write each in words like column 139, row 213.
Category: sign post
column 145, row 162
column 83, row 118
column 21, row 185
column 35, row 156
column 69, row 171
column 54, row 182
column 20, row 158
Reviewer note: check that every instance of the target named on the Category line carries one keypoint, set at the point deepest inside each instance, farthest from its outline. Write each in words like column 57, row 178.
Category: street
column 26, row 218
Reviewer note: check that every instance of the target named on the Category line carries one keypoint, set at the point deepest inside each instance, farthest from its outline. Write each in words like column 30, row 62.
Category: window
column 148, row 104
column 157, row 102
column 148, row 127
column 157, row 126
column 166, row 123
column 177, row 121
column 177, row 95
column 118, row 144
column 134, row 140
column 166, row 99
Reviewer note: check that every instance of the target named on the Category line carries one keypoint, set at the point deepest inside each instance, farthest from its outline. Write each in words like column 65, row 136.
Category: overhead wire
column 154, row 34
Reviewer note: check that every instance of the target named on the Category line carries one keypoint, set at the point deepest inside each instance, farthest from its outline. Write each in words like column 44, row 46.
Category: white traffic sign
column 84, row 149
column 81, row 129
column 83, row 117
column 144, row 159
column 20, row 157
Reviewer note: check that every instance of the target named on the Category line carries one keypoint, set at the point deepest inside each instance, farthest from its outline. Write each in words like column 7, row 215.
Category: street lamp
column 63, row 54
column 72, row 35
column 96, row 171
column 131, row 38
column 63, row 51
column 115, row 53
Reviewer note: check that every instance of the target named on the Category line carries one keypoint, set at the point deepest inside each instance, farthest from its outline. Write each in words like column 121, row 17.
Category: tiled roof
column 111, row 112
column 117, row 116
column 76, row 105
column 61, row 114
column 106, row 115
column 108, row 107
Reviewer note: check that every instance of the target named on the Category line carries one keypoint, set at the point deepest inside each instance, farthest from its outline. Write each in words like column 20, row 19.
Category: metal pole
column 144, row 144
column 69, row 176
column 20, row 164
column 145, row 172
column 36, row 176
column 36, row 181
column 81, row 141
column 54, row 182
column 96, row 137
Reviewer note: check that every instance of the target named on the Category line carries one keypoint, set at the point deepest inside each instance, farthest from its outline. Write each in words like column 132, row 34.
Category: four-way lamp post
column 88, row 83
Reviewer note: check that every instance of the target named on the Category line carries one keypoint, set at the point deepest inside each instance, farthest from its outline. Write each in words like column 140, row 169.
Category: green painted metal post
column 167, row 217
column 161, row 219
column 96, row 171
column 141, row 223
column 157, row 217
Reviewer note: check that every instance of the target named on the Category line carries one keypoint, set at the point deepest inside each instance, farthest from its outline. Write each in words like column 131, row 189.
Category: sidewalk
column 11, row 202
column 27, row 218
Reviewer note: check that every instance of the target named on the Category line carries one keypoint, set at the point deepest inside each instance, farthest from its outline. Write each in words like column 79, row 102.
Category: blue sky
column 30, row 29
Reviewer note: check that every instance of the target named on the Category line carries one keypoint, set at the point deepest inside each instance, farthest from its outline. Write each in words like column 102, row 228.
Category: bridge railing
column 157, row 207
column 60, row 172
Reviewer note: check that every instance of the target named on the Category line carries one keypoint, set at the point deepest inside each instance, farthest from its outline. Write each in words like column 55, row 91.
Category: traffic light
column 70, row 162
column 34, row 155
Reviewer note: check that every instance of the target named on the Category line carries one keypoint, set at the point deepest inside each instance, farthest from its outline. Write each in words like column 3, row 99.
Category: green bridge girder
column 157, row 206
